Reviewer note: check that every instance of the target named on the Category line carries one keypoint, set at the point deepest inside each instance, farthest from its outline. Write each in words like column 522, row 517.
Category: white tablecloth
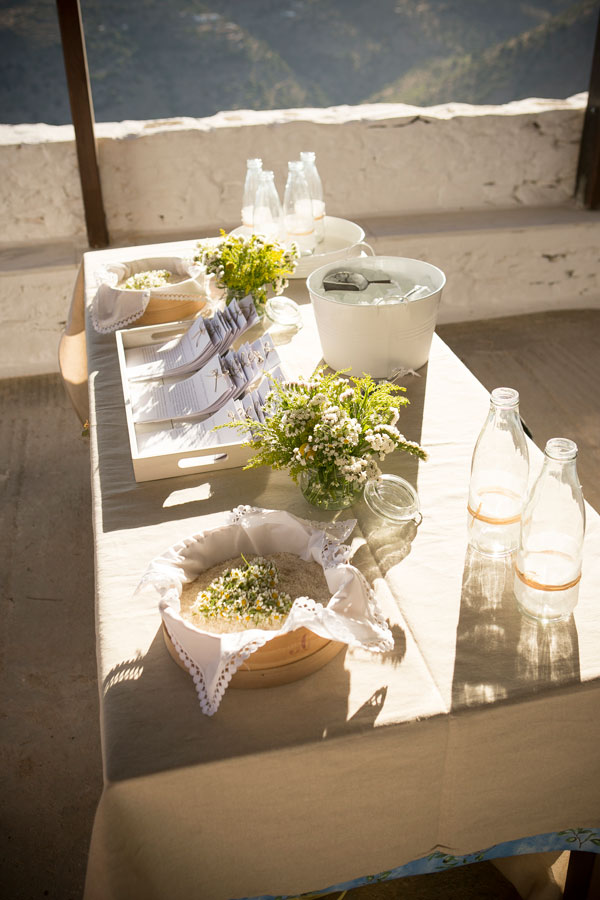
column 479, row 728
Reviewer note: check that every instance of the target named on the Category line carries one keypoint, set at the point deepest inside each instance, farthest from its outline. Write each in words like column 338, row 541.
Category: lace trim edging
column 117, row 325
column 209, row 705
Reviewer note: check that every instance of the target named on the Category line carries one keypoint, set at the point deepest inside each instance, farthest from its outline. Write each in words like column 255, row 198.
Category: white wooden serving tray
column 168, row 464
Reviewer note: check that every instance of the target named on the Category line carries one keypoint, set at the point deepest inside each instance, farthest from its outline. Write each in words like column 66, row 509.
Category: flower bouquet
column 329, row 433
column 243, row 266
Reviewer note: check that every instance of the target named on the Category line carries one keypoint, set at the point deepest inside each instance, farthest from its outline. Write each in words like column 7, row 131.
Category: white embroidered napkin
column 351, row 616
column 113, row 307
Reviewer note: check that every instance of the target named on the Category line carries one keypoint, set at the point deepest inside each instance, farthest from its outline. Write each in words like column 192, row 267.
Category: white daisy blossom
column 380, row 441
column 331, row 414
column 355, row 470
column 390, row 429
column 337, row 428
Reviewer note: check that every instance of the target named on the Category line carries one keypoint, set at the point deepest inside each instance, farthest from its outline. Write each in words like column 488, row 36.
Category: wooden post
column 583, row 876
column 588, row 171
column 82, row 113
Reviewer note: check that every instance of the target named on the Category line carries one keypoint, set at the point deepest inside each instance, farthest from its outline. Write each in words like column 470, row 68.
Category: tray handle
column 191, row 462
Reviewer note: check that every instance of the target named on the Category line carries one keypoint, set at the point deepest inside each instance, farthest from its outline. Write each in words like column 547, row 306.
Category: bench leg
column 583, row 876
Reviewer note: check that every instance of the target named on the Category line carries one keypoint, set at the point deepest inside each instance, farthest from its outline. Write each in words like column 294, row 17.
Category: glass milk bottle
column 316, row 192
column 253, row 170
column 267, row 208
column 297, row 209
column 499, row 473
column 548, row 565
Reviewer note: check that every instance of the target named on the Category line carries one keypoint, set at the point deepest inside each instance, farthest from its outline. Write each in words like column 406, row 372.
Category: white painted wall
column 484, row 192
column 181, row 175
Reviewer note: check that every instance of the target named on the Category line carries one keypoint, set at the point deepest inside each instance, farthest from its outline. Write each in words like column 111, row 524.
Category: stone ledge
column 381, row 115
column 172, row 176
column 504, row 264
column 28, row 257
column 480, row 220
column 40, row 255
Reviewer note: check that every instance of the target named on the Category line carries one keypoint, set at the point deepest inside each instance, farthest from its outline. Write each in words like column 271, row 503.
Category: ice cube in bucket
column 372, row 337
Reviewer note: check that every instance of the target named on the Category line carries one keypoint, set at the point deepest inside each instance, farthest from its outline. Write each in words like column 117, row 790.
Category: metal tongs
column 352, row 281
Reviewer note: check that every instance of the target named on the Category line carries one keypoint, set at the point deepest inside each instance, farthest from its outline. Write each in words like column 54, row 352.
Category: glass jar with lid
column 393, row 499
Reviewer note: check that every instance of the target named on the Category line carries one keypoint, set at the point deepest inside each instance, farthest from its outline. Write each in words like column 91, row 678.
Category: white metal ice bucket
column 377, row 339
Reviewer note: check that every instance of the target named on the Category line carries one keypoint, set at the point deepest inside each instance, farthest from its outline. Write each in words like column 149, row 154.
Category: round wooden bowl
column 160, row 311
column 284, row 659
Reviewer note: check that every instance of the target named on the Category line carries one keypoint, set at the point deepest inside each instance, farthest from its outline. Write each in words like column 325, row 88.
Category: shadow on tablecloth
column 152, row 720
column 501, row 654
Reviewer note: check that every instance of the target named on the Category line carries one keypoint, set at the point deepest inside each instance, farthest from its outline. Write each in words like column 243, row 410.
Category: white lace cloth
column 351, row 616
column 113, row 308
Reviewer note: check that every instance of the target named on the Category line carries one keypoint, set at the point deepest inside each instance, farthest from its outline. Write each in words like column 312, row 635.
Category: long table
column 480, row 728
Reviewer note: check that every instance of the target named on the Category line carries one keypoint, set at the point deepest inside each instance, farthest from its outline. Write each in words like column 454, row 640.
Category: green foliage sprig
column 245, row 266
column 336, row 426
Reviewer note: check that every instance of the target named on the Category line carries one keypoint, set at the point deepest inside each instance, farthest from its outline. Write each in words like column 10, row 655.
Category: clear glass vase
column 322, row 491
column 499, row 475
column 548, row 564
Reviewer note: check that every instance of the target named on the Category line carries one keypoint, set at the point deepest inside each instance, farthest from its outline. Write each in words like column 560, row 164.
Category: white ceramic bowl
column 342, row 239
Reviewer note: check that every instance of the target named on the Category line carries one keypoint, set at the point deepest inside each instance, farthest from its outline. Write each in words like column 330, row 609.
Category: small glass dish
column 394, row 499
column 283, row 311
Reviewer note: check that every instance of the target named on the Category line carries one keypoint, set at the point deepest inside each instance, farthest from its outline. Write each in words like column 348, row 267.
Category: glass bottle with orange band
column 548, row 564
column 499, row 474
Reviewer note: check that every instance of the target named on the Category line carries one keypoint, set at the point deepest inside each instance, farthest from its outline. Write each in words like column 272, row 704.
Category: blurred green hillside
column 544, row 61
column 162, row 58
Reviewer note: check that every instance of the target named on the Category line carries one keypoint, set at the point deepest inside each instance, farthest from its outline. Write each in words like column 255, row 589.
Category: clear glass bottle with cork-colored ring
column 549, row 558
column 499, row 475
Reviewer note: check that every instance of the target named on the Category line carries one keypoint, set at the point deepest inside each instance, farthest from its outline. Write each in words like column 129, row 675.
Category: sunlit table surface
column 480, row 727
